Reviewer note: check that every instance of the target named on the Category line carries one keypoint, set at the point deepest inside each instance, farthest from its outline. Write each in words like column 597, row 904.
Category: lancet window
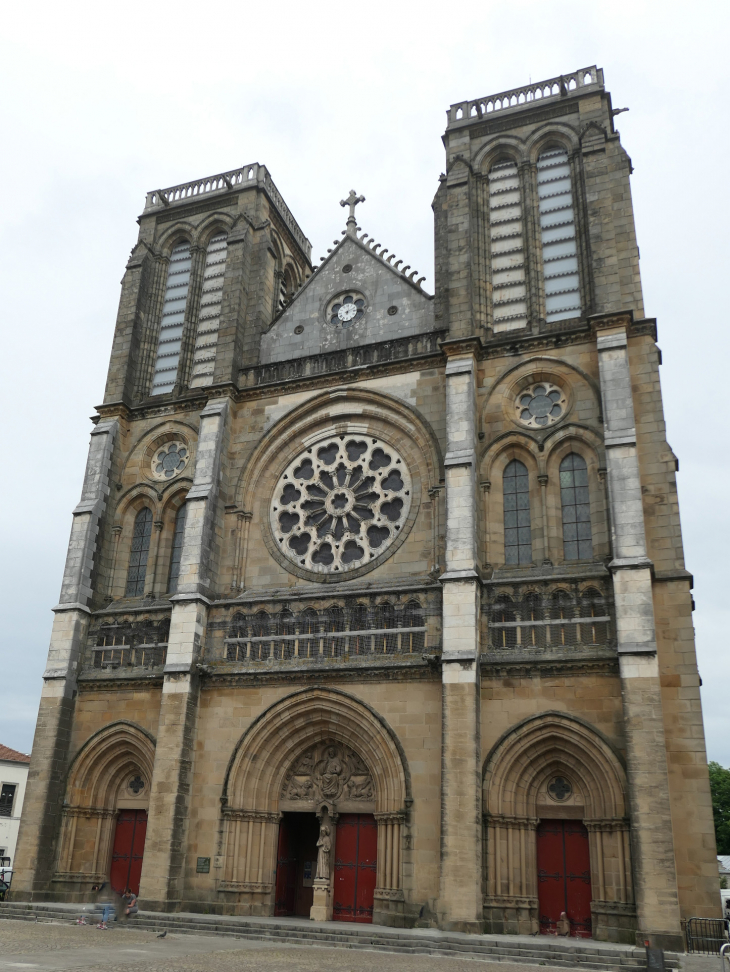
column 206, row 339
column 507, row 246
column 557, row 232
column 575, row 501
column 169, row 341
column 137, row 570
column 176, row 552
column 517, row 532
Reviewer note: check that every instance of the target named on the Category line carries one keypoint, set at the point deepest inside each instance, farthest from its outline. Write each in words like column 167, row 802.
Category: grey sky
column 102, row 102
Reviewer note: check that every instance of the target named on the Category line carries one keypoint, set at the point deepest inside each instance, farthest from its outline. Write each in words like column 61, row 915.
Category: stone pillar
column 164, row 857
column 39, row 826
column 655, row 881
column 460, row 897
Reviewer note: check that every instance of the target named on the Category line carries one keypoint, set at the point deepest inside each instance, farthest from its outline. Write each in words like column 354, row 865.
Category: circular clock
column 345, row 309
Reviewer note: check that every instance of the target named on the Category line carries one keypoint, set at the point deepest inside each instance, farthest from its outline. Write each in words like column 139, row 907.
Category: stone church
column 375, row 606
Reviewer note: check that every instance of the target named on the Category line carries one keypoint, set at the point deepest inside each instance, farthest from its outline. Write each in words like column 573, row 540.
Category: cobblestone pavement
column 51, row 947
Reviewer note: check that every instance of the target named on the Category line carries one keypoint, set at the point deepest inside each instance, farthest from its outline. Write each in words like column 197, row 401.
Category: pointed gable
column 394, row 306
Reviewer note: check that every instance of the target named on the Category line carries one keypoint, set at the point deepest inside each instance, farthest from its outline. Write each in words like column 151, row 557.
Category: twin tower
column 375, row 606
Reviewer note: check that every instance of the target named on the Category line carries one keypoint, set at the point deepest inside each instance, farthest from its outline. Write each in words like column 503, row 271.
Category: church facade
column 375, row 606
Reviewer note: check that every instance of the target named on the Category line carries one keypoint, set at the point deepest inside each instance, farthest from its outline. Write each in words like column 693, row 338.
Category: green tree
column 720, row 790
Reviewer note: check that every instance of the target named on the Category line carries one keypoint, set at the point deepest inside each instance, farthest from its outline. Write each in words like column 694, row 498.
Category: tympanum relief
column 328, row 773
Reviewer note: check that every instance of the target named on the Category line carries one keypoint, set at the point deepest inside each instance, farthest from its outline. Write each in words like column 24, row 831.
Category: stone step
column 582, row 953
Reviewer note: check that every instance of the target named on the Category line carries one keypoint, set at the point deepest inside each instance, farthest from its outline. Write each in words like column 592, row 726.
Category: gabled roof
column 396, row 306
column 12, row 755
column 368, row 244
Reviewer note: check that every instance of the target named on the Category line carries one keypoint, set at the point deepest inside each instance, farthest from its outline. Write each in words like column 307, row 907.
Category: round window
column 346, row 309
column 340, row 504
column 169, row 460
column 540, row 404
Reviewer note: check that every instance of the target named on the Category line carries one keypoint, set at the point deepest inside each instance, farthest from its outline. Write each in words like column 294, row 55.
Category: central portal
column 296, row 864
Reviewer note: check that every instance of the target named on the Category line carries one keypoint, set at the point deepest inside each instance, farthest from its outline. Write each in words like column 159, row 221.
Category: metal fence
column 550, row 622
column 322, row 646
column 129, row 656
column 707, row 935
column 355, row 631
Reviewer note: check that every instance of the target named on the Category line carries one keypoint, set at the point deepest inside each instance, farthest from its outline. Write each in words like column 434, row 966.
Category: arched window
column 533, row 632
column 507, row 249
column 593, row 605
column 173, row 318
column 503, row 627
column 557, row 230
column 561, row 609
column 574, row 498
column 140, row 550
column 209, row 317
column 176, row 552
column 288, row 285
column 413, row 618
column 517, row 534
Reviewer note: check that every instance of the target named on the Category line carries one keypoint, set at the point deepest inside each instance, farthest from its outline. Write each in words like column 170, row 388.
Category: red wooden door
column 564, row 876
column 128, row 852
column 356, row 862
column 286, row 872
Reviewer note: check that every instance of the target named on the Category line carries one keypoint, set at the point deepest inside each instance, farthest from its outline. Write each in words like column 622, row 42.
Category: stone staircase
column 522, row 949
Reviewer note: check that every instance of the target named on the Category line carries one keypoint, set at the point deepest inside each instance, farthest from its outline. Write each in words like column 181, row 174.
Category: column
column 41, row 819
column 164, row 856
column 651, row 824
column 460, row 900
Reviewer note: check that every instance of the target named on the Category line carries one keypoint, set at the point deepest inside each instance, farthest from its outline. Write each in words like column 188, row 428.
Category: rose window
column 169, row 460
column 540, row 405
column 346, row 309
column 341, row 503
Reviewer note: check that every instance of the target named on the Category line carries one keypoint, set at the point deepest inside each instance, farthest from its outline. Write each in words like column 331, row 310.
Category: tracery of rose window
column 341, row 503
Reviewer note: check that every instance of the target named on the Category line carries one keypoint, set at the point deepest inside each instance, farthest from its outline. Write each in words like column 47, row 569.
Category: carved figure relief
column 329, row 772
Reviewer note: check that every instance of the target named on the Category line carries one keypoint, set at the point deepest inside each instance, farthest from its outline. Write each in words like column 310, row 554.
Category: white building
column 13, row 776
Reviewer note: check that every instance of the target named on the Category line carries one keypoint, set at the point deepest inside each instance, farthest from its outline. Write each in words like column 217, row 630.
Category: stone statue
column 331, row 773
column 323, row 854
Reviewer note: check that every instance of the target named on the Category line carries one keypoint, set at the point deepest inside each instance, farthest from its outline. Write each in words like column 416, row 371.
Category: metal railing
column 129, row 656
column 707, row 935
column 321, row 646
column 549, row 622
column 467, row 111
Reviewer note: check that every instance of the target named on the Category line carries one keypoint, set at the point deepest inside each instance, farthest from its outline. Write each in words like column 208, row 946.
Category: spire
column 352, row 200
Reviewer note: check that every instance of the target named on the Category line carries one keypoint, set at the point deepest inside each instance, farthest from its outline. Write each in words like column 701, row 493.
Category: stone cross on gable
column 352, row 200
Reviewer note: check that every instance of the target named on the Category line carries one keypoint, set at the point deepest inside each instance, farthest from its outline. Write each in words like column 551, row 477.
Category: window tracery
column 341, row 504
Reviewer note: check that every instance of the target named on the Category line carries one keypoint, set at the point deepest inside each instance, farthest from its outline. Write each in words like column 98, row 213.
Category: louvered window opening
column 517, row 532
column 550, row 622
column 367, row 633
column 557, row 229
column 576, row 504
column 209, row 316
column 507, row 248
column 176, row 552
column 140, row 551
column 173, row 318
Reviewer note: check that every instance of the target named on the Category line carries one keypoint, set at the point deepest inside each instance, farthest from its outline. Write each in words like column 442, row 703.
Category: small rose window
column 170, row 460
column 346, row 309
column 540, row 405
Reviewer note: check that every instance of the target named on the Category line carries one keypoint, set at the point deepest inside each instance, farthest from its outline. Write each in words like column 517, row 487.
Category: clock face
column 347, row 312
column 345, row 309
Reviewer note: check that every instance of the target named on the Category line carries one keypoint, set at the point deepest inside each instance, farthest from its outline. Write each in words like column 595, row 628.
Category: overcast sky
column 102, row 102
